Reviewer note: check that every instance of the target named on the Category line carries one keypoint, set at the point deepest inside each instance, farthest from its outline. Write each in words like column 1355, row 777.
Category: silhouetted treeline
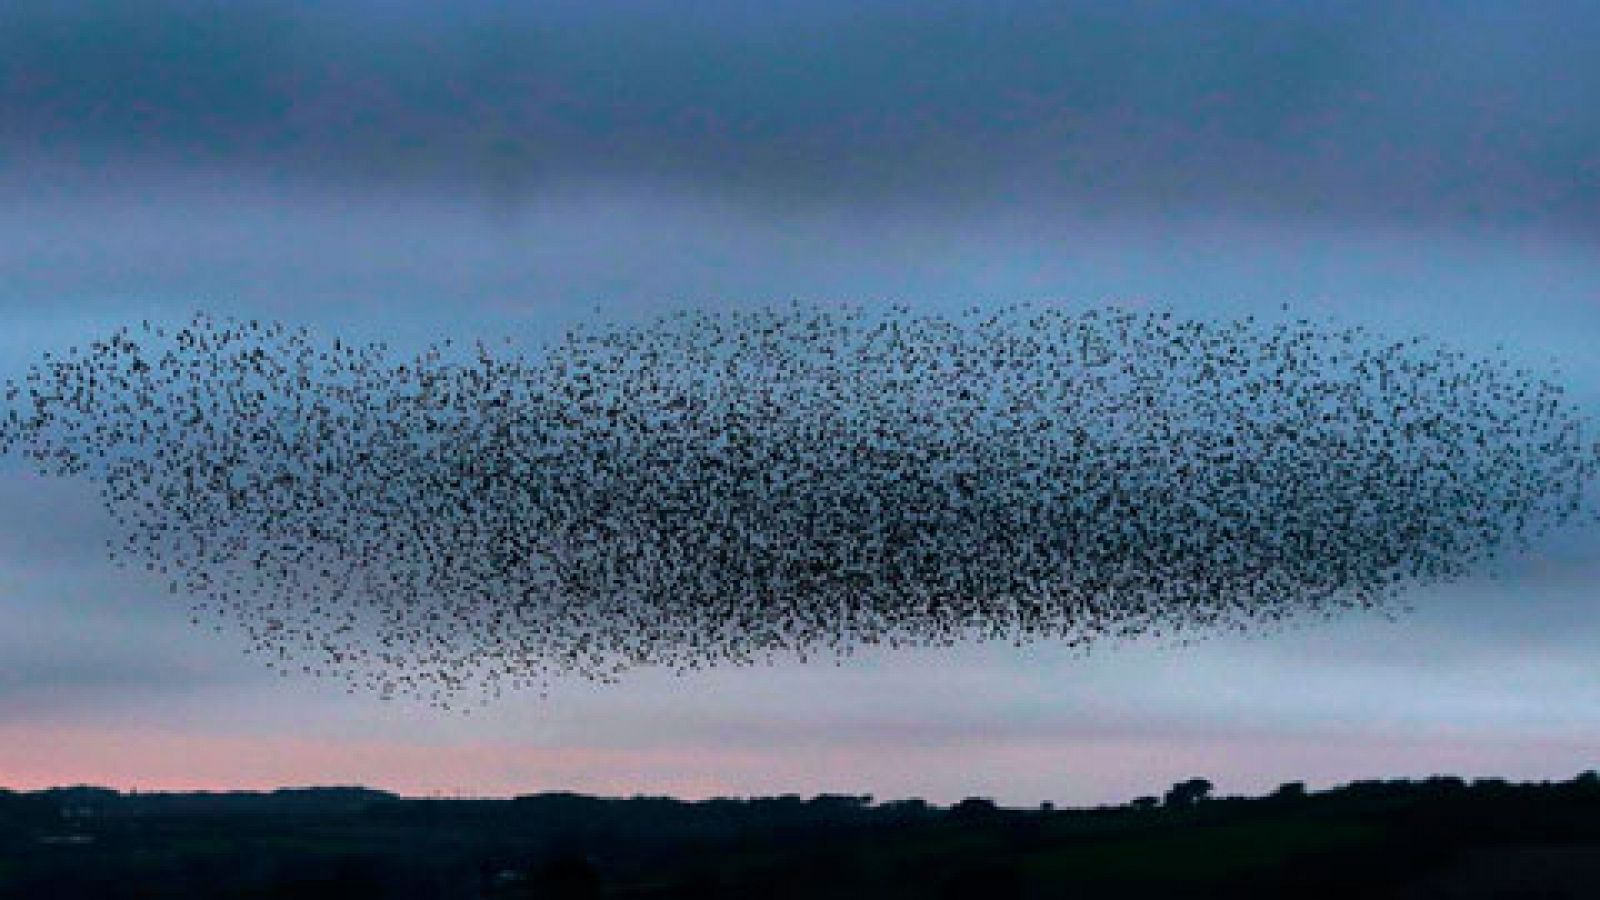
column 1370, row 838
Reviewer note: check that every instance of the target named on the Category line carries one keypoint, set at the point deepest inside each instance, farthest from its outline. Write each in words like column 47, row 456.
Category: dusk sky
column 405, row 171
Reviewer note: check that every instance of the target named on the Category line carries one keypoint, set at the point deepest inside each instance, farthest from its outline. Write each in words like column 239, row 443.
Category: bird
column 791, row 482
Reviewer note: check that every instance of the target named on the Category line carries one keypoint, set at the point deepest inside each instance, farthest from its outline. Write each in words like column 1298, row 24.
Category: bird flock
column 728, row 488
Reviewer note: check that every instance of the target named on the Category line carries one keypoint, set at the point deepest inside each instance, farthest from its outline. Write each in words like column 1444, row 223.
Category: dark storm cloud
column 1414, row 112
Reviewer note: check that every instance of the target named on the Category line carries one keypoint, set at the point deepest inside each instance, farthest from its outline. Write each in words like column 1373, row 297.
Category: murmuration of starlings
column 715, row 488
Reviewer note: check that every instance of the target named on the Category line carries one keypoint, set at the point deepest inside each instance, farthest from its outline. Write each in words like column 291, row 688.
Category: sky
column 402, row 171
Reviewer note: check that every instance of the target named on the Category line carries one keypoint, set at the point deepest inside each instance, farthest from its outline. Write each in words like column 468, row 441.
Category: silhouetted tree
column 1444, row 783
column 839, row 805
column 907, row 809
column 1290, row 790
column 974, row 809
column 1188, row 793
column 1144, row 803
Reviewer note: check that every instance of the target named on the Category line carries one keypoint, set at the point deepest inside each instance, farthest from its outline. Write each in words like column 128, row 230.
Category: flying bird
column 727, row 488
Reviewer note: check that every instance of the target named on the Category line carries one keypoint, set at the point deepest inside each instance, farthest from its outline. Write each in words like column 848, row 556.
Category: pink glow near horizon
column 1015, row 772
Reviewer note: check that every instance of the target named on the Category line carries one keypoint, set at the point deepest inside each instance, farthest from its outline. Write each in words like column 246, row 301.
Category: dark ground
column 1403, row 840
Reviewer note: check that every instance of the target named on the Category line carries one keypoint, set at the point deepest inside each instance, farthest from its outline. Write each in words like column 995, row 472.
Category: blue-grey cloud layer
column 327, row 163
column 1420, row 112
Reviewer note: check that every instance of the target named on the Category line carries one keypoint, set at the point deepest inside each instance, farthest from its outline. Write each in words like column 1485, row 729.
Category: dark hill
column 1439, row 837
